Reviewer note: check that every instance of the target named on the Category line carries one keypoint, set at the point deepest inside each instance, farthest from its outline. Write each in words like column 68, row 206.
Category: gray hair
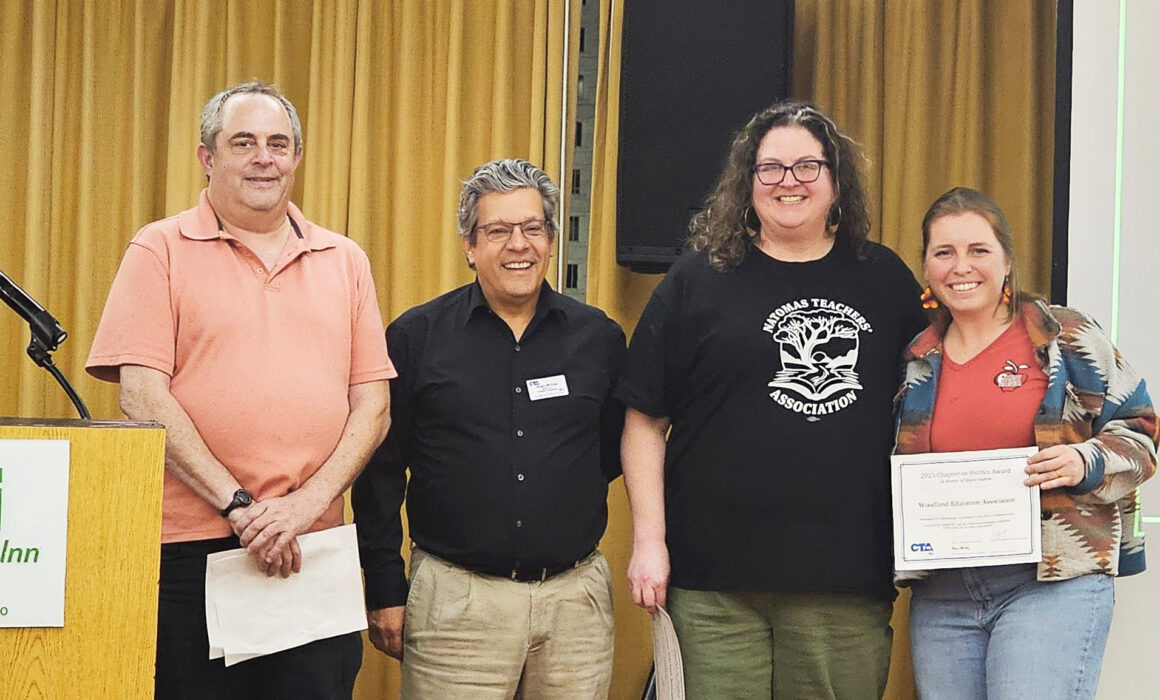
column 211, row 114
column 505, row 175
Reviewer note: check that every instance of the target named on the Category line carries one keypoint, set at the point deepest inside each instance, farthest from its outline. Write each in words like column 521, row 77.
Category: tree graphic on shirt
column 818, row 351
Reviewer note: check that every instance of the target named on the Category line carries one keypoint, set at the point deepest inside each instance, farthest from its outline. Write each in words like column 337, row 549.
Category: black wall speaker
column 692, row 73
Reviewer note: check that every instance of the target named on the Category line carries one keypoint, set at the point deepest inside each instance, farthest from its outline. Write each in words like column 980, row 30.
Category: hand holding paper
column 249, row 614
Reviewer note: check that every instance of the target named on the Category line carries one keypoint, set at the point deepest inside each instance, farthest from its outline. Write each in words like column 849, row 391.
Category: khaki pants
column 761, row 645
column 468, row 635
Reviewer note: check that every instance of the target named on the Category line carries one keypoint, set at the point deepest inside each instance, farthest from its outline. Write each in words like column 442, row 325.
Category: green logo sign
column 8, row 553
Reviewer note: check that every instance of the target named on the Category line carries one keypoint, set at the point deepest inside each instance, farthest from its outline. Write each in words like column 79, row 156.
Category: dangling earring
column 928, row 300
column 1006, row 291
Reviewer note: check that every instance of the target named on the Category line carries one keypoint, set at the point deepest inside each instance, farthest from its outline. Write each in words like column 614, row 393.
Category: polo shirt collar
column 202, row 224
column 548, row 303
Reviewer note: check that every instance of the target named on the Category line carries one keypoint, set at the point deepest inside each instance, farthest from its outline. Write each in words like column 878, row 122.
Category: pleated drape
column 399, row 101
column 941, row 94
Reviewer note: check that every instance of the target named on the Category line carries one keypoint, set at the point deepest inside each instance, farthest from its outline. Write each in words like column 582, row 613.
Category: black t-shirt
column 778, row 378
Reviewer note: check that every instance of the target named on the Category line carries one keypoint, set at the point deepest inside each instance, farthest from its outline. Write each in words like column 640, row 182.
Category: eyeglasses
column 501, row 231
column 803, row 171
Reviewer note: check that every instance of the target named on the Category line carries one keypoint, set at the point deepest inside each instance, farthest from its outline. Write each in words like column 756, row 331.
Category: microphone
column 44, row 327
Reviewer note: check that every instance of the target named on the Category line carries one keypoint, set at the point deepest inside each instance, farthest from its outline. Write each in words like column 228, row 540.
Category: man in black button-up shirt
column 503, row 413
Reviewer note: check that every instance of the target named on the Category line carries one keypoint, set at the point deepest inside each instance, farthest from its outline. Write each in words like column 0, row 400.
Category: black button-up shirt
column 506, row 471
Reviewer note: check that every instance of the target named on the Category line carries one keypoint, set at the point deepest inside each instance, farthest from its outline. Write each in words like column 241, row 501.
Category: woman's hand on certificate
column 1053, row 467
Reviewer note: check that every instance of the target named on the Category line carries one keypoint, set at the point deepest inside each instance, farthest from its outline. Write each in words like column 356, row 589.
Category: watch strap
column 242, row 498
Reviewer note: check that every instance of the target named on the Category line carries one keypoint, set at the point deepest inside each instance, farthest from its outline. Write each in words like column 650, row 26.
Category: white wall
column 1129, row 663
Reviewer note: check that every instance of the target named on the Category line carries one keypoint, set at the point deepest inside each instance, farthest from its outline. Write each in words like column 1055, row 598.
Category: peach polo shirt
column 261, row 360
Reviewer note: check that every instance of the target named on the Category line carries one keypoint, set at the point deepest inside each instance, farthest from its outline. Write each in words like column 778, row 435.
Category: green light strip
column 1117, row 219
column 1139, row 520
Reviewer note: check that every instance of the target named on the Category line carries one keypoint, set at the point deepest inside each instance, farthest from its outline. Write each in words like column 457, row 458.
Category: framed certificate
column 959, row 509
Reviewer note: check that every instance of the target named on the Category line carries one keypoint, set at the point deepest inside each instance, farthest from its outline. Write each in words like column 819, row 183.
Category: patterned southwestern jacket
column 1096, row 404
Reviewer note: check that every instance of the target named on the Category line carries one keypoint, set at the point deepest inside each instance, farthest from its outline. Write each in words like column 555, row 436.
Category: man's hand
column 386, row 630
column 269, row 530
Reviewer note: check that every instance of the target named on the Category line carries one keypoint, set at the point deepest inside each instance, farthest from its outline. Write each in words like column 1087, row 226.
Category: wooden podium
column 107, row 644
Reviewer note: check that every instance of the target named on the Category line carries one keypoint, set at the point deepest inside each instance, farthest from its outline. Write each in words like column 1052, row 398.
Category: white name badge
column 547, row 387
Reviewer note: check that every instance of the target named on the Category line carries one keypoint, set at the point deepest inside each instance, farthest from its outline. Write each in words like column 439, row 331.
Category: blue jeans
column 997, row 633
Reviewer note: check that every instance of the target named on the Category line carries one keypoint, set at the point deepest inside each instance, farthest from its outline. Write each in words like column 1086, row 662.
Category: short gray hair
column 211, row 114
column 505, row 175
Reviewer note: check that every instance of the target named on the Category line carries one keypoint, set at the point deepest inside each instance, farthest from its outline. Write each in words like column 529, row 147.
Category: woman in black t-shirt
column 771, row 351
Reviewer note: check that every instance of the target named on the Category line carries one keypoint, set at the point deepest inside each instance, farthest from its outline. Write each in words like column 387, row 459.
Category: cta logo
column 921, row 547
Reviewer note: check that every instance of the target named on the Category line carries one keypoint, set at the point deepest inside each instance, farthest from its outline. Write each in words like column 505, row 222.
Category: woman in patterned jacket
column 998, row 368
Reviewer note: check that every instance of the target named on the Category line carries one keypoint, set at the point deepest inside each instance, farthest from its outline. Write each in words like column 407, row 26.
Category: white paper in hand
column 250, row 614
column 670, row 670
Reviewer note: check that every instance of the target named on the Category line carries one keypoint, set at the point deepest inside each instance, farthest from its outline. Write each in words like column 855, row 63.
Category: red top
column 989, row 402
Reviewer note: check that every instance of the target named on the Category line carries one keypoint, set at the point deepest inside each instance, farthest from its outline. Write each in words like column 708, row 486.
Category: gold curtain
column 399, row 101
column 940, row 93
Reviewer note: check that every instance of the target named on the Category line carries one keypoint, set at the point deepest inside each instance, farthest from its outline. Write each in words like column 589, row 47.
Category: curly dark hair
column 727, row 227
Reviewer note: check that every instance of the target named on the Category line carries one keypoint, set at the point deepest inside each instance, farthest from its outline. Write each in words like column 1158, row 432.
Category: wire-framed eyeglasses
column 500, row 231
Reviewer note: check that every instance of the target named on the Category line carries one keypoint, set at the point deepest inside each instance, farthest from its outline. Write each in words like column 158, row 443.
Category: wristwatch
column 242, row 498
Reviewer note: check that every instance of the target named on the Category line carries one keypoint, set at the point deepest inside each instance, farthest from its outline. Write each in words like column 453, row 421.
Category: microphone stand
column 47, row 335
column 41, row 354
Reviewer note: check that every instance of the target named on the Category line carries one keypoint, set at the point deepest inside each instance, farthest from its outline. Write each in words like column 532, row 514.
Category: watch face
column 242, row 498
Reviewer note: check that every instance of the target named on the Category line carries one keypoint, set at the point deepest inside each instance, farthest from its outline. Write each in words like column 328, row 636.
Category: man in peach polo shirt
column 255, row 337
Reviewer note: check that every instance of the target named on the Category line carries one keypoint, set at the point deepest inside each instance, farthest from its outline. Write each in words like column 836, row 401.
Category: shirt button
column 519, row 390
column 519, row 523
column 259, row 270
column 517, row 348
column 519, row 477
column 519, row 433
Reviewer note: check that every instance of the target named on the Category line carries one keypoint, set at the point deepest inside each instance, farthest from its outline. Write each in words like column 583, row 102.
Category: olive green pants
column 762, row 645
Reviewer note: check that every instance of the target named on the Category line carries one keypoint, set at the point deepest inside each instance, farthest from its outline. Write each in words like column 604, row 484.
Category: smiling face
column 510, row 271
column 251, row 170
column 965, row 266
column 792, row 211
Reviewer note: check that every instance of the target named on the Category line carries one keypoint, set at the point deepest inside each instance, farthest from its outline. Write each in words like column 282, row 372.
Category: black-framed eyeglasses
column 500, row 231
column 804, row 171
